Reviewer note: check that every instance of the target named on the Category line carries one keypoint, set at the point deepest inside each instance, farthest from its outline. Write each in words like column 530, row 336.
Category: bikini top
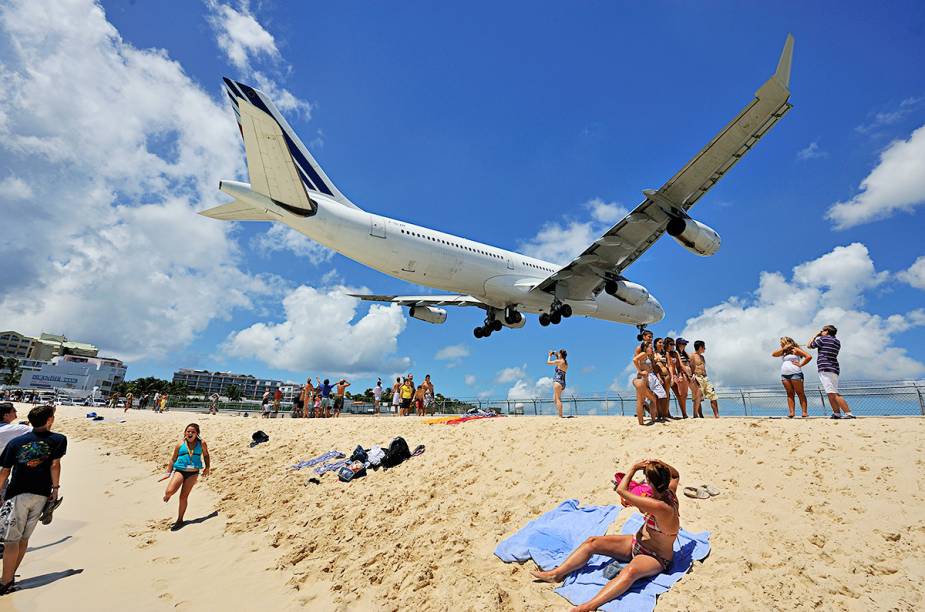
column 650, row 521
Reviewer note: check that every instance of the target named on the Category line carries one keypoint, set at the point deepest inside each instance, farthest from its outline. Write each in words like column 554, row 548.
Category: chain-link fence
column 894, row 398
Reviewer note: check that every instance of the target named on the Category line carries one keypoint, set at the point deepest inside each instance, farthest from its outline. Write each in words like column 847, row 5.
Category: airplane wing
column 423, row 300
column 626, row 241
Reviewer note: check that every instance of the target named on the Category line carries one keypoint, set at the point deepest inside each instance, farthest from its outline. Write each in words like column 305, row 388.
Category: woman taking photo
column 649, row 552
column 791, row 372
column 183, row 471
column 558, row 379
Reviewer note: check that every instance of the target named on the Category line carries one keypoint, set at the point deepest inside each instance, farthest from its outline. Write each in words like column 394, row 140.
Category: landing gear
column 491, row 325
column 642, row 329
column 512, row 317
column 557, row 312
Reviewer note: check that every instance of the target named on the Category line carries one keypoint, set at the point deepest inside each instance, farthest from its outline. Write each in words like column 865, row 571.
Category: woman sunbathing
column 649, row 552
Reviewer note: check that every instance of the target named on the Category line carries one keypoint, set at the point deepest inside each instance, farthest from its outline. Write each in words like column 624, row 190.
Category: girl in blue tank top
column 189, row 457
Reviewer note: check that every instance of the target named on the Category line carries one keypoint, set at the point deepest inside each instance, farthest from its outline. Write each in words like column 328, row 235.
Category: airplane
column 288, row 186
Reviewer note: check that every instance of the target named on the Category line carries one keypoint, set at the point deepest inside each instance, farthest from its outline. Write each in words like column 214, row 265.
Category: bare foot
column 545, row 576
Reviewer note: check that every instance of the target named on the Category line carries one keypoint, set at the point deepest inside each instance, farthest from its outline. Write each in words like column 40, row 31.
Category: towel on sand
column 570, row 526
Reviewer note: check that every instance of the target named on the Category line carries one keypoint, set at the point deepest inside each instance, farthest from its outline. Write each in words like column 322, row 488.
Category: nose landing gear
column 557, row 312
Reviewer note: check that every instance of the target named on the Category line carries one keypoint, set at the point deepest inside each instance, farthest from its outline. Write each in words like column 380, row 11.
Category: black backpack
column 397, row 452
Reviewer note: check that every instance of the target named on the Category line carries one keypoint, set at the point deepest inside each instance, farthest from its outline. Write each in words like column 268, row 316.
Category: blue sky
column 496, row 122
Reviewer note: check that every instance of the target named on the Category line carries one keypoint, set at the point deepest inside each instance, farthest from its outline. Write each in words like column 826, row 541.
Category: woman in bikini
column 646, row 383
column 649, row 552
column 183, row 471
column 558, row 380
column 679, row 379
column 660, row 359
column 791, row 373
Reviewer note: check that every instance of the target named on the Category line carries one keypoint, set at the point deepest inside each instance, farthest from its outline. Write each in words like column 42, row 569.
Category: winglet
column 783, row 64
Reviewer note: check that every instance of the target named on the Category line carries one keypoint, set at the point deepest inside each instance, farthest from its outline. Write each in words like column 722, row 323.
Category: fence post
column 744, row 403
column 921, row 399
column 574, row 405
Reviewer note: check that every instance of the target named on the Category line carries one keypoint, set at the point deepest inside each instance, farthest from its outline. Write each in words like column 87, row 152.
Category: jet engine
column 428, row 313
column 694, row 236
column 628, row 292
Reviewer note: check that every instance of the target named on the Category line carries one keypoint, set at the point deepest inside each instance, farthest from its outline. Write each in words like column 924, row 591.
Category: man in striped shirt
column 827, row 363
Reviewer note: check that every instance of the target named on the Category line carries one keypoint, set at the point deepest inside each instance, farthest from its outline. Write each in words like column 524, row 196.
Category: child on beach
column 183, row 470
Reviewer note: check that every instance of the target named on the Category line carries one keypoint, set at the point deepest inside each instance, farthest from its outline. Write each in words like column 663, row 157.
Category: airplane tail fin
column 269, row 141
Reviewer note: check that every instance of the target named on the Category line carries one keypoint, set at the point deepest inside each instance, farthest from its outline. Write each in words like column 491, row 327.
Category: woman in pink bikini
column 649, row 552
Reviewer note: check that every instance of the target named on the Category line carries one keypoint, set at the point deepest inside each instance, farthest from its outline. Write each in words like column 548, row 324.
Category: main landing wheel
column 565, row 310
column 478, row 332
column 555, row 318
column 544, row 319
column 496, row 325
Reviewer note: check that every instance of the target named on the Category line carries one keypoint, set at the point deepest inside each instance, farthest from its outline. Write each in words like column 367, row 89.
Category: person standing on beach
column 35, row 461
column 377, row 396
column 647, row 384
column 791, row 373
column 679, row 376
column 560, row 361
column 164, row 398
column 265, row 404
column 339, row 399
column 129, row 400
column 9, row 429
column 306, row 395
column 157, row 401
column 183, row 470
column 277, row 398
column 407, row 393
column 143, row 402
column 396, row 395
column 699, row 364
column 827, row 364
column 428, row 395
column 326, row 398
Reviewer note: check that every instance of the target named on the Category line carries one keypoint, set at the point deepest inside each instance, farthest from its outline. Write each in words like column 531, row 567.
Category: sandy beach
column 813, row 514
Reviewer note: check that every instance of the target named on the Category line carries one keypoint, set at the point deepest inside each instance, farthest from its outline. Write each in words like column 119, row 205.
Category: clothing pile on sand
column 355, row 466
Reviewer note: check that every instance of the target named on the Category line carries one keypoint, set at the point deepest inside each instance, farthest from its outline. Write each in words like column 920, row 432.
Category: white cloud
column 811, row 151
column 741, row 332
column 885, row 118
column 562, row 241
column 524, row 389
column 470, row 380
column 507, row 375
column 915, row 275
column 321, row 332
column 240, row 36
column 452, row 352
column 14, row 188
column 606, row 212
column 246, row 43
column 118, row 171
column 896, row 184
column 283, row 238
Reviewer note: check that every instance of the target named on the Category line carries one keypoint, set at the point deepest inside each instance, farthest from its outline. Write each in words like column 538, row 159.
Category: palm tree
column 234, row 394
column 15, row 372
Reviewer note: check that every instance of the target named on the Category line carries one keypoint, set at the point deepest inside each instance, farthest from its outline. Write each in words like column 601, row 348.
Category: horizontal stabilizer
column 239, row 211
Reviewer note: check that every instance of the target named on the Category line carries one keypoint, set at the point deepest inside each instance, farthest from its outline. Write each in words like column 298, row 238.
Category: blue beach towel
column 585, row 583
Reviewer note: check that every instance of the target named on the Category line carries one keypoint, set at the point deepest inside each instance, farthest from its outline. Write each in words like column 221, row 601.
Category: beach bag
column 396, row 452
column 359, row 454
column 351, row 472
column 259, row 437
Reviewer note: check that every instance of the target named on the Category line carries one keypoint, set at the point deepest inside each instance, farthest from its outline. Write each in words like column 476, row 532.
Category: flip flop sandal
column 710, row 489
column 696, row 492
column 48, row 510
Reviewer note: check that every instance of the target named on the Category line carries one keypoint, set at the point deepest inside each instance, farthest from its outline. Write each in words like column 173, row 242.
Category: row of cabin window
column 467, row 248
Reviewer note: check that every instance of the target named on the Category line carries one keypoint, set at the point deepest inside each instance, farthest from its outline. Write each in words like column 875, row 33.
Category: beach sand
column 813, row 514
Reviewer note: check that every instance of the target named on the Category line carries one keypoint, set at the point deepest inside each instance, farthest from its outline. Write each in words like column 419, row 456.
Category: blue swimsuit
column 189, row 461
column 559, row 377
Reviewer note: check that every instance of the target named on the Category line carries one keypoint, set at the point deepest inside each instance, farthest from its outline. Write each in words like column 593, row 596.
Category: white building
column 75, row 372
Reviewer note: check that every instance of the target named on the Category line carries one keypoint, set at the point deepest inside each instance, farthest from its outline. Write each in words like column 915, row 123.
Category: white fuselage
column 443, row 261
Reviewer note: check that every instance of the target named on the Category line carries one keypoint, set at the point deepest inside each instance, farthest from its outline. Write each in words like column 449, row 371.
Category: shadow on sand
column 46, row 579
column 33, row 549
column 201, row 519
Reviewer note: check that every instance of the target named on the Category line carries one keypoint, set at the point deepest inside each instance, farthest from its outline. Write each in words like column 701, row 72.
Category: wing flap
column 422, row 300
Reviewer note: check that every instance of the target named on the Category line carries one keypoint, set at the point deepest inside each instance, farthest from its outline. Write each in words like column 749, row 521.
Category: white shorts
column 19, row 516
column 829, row 382
column 655, row 385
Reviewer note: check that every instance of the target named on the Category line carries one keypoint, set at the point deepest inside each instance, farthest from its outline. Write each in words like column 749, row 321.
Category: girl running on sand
column 186, row 462
column 791, row 372
column 558, row 381
column 649, row 552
